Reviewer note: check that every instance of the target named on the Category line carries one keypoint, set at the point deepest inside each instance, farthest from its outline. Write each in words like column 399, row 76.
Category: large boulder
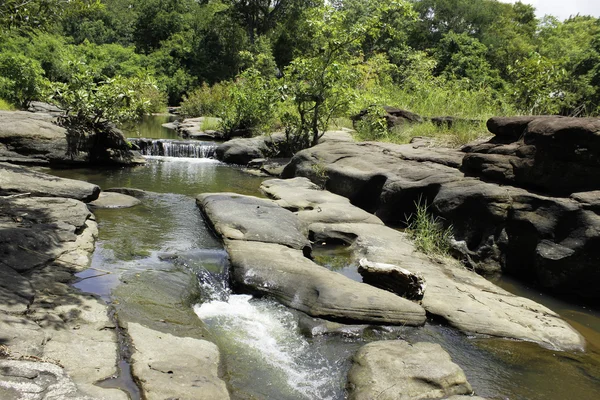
column 268, row 249
column 398, row 370
column 21, row 180
column 393, row 116
column 551, row 241
column 35, row 138
column 557, row 155
column 294, row 280
column 249, row 218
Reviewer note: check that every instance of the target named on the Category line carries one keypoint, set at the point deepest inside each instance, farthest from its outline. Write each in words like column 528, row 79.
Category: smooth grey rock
column 398, row 370
column 114, row 200
column 168, row 366
column 192, row 128
column 16, row 292
column 41, row 107
column 35, row 138
column 241, row 217
column 292, row 279
column 312, row 204
column 36, row 230
column 463, row 298
column 21, row 180
column 137, row 193
column 500, row 226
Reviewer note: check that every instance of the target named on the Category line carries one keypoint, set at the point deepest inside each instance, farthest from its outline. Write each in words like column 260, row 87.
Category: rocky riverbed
column 59, row 342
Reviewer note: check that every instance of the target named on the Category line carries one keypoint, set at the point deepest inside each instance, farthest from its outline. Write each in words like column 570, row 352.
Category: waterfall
column 175, row 148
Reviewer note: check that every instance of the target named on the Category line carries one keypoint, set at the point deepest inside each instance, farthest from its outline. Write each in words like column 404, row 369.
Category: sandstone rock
column 188, row 370
column 250, row 218
column 34, row 138
column 312, row 204
column 16, row 292
column 464, row 299
column 46, row 108
column 294, row 280
column 21, row 180
column 398, row 370
column 36, row 230
column 114, row 200
column 558, row 155
column 192, row 128
column 487, row 218
column 392, row 278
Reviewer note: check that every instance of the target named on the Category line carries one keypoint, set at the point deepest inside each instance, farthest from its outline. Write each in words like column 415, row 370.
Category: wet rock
column 392, row 278
column 137, row 193
column 114, row 200
column 463, row 298
column 250, row 218
column 294, row 280
column 188, row 370
column 398, row 370
column 21, row 180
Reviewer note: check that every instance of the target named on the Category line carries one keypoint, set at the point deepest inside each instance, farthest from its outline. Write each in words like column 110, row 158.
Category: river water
column 265, row 349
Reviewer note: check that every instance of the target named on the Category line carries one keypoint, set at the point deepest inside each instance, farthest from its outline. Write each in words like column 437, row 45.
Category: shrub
column 251, row 105
column 205, row 101
column 21, row 79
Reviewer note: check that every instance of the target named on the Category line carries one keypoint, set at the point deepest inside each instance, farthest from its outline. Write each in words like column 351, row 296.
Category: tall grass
column 428, row 233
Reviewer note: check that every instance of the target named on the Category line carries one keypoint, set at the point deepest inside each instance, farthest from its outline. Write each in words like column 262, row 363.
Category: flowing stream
column 266, row 351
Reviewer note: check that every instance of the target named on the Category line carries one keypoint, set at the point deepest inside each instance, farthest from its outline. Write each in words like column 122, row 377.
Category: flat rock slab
column 465, row 299
column 188, row 370
column 114, row 200
column 16, row 292
column 249, row 218
column 313, row 204
column 398, row 370
column 294, row 280
column 20, row 180
column 35, row 230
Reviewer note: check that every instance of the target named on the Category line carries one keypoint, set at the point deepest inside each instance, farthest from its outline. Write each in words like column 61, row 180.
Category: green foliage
column 373, row 125
column 5, row 105
column 206, row 101
column 250, row 106
column 21, row 79
column 427, row 231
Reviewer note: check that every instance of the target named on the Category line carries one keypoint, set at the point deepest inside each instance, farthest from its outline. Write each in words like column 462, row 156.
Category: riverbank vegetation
column 299, row 66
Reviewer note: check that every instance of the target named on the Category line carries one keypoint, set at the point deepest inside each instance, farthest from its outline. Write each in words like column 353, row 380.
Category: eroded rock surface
column 552, row 241
column 268, row 250
column 465, row 299
column 35, row 138
column 398, row 370
column 43, row 242
column 175, row 367
column 20, row 180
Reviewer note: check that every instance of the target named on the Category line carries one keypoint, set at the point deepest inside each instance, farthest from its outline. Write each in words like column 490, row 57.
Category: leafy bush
column 251, row 105
column 205, row 101
column 21, row 79
column 5, row 105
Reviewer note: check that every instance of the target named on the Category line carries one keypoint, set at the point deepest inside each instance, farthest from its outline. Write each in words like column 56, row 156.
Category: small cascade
column 175, row 148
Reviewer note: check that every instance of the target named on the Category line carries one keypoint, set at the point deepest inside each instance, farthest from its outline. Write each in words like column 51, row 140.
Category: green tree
column 21, row 79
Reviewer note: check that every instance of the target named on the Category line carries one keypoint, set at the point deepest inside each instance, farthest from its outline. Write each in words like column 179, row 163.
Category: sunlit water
column 265, row 354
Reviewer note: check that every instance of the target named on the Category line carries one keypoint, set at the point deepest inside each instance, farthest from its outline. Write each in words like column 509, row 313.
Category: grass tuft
column 6, row 106
column 428, row 232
